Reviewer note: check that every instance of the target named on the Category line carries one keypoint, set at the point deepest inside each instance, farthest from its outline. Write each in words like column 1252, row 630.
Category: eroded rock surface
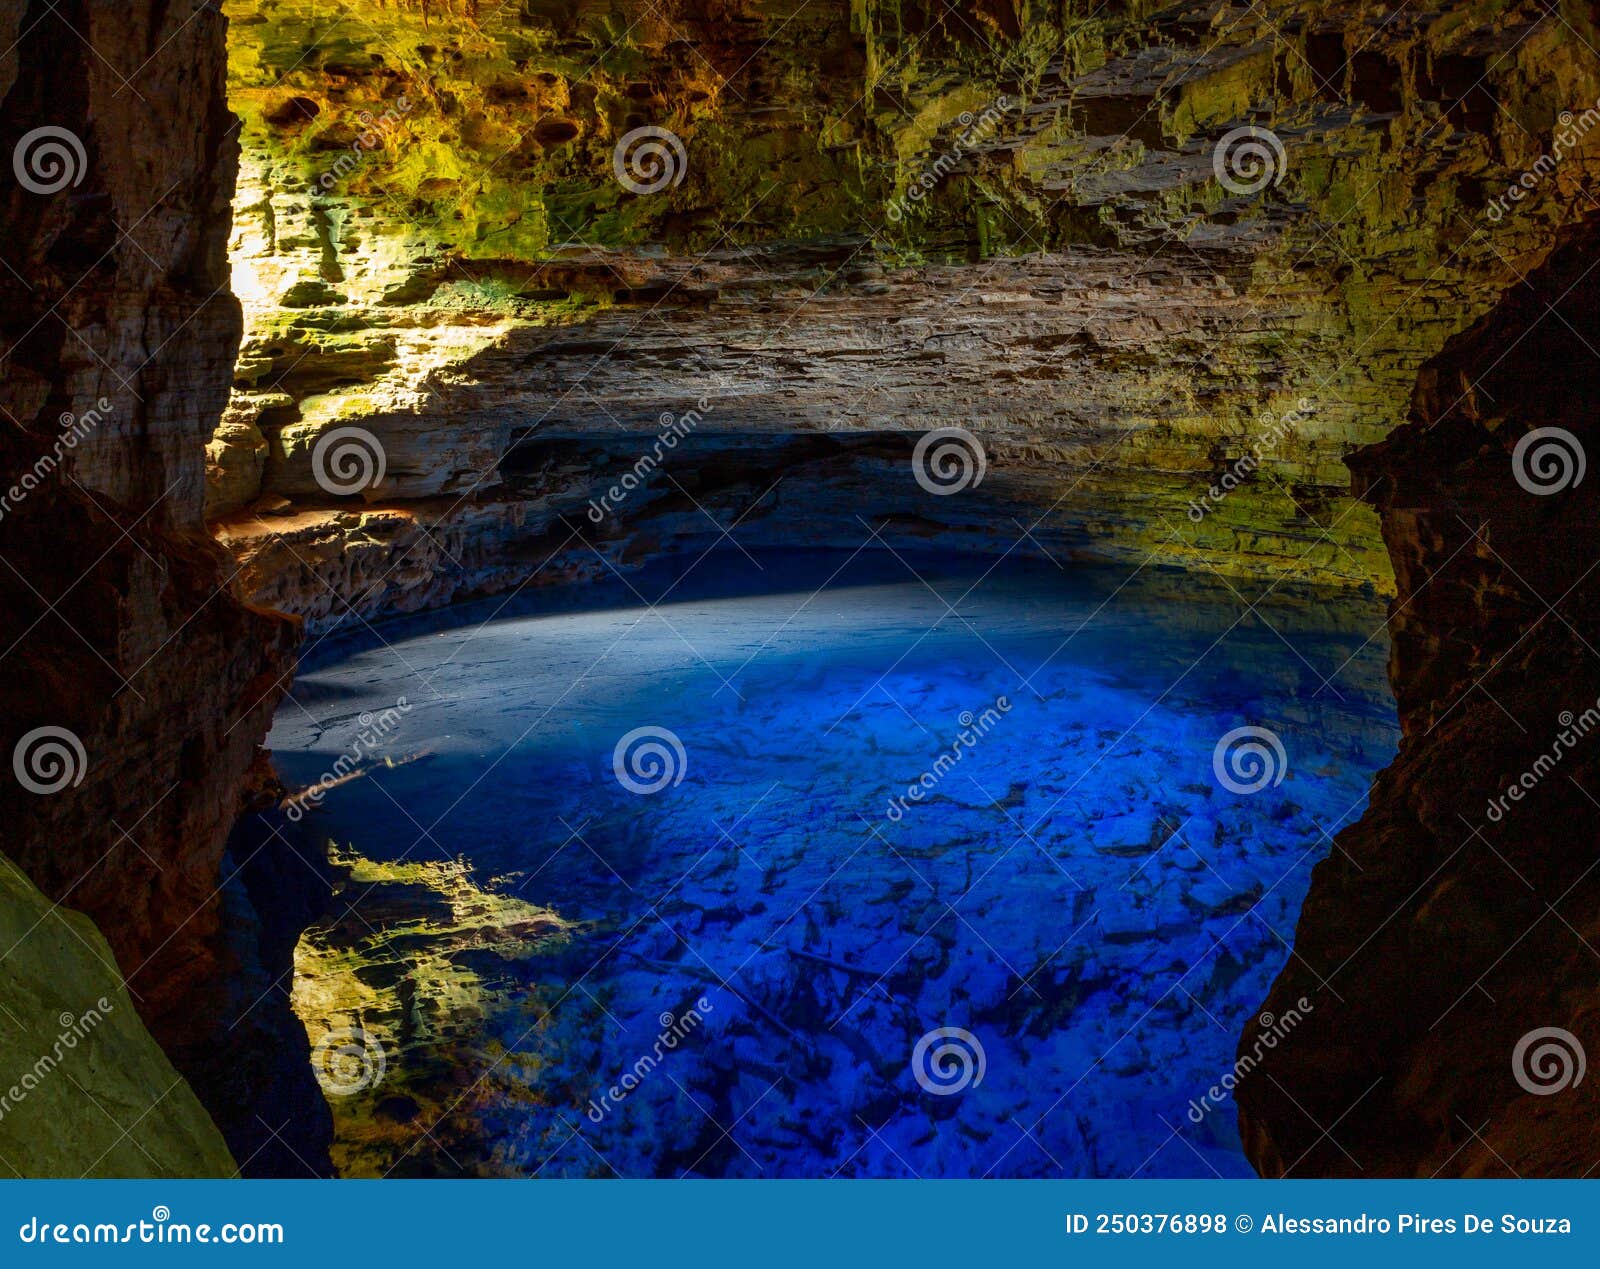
column 1458, row 918
column 88, row 1093
column 1077, row 281
column 118, row 633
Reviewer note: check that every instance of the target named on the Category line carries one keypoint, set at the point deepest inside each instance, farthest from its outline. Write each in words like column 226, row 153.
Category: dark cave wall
column 1439, row 932
column 117, row 330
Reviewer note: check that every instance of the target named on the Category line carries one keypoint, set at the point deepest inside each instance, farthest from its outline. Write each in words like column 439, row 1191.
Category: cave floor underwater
column 742, row 865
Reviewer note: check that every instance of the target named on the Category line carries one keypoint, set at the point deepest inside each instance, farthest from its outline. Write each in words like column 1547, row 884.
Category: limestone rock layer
column 1036, row 221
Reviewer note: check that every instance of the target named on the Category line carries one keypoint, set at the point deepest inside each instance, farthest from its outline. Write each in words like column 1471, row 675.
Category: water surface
column 1035, row 965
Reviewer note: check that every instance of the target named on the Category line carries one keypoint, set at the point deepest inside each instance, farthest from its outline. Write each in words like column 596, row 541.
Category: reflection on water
column 907, row 866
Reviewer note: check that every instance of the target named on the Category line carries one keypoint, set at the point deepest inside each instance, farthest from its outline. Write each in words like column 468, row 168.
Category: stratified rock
column 1028, row 228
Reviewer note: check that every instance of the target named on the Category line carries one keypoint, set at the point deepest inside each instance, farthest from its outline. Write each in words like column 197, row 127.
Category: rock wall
column 1455, row 925
column 87, row 1091
column 137, row 689
column 1015, row 217
column 1077, row 282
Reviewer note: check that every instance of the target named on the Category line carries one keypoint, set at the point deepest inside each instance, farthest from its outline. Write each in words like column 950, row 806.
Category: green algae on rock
column 432, row 243
column 84, row 1090
column 393, row 994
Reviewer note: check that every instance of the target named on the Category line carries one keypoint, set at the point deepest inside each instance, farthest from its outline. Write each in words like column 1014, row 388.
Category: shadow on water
column 911, row 865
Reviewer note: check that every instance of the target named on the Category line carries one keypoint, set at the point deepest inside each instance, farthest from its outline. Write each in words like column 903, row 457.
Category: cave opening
column 639, row 433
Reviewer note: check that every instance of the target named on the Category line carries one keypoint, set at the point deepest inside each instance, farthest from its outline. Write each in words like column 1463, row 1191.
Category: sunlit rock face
column 1448, row 940
column 1076, row 282
column 986, row 219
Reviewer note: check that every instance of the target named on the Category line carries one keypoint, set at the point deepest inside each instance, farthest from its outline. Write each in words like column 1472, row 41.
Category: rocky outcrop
column 137, row 689
column 1448, row 942
column 84, row 1090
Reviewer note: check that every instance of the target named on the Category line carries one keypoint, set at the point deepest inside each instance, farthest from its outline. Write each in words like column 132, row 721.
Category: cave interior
column 799, row 588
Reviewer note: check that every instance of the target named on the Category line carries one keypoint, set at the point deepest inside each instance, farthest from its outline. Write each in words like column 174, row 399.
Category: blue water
column 1079, row 900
